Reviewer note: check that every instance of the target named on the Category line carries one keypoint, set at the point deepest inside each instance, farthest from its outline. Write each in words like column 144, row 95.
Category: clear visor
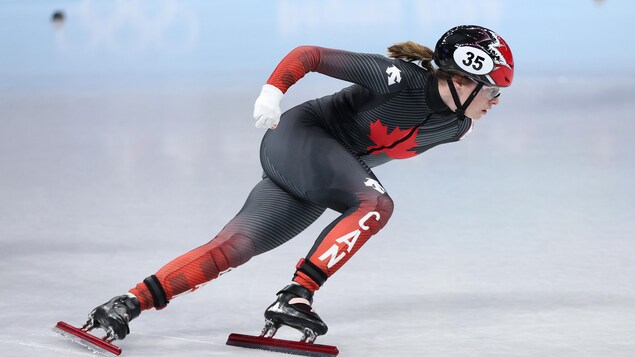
column 491, row 92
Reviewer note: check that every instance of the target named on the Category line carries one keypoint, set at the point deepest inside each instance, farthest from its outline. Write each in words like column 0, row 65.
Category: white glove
column 267, row 107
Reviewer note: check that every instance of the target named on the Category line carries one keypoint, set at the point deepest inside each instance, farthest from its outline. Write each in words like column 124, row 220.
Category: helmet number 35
column 473, row 60
column 478, row 62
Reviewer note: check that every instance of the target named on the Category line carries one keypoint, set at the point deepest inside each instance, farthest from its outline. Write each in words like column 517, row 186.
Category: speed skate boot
column 115, row 315
column 293, row 308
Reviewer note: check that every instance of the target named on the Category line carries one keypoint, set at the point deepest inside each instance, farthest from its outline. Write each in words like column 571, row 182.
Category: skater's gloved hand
column 267, row 107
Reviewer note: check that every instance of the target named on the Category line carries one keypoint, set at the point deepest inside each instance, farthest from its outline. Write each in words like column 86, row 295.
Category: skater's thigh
column 271, row 216
column 305, row 160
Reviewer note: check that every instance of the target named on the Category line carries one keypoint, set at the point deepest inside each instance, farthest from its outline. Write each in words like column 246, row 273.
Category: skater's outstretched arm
column 376, row 73
column 372, row 71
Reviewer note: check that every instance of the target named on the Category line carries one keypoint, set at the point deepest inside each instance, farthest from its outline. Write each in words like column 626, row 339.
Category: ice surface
column 517, row 241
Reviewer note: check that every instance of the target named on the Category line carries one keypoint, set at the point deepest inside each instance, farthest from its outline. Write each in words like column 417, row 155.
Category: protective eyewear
column 491, row 92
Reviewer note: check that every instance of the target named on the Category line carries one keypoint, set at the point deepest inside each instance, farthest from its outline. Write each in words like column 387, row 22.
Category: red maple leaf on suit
column 390, row 143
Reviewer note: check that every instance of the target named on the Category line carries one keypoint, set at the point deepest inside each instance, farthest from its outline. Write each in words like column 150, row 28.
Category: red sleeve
column 295, row 65
column 375, row 72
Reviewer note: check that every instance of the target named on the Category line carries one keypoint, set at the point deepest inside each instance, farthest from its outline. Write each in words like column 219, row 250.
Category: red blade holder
column 285, row 346
column 64, row 329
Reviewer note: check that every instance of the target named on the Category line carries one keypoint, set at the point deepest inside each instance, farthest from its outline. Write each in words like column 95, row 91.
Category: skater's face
column 486, row 98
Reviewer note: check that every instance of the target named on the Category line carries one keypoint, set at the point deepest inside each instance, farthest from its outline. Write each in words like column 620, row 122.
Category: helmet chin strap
column 460, row 108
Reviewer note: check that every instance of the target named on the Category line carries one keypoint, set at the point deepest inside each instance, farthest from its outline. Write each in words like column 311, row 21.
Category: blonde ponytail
column 412, row 51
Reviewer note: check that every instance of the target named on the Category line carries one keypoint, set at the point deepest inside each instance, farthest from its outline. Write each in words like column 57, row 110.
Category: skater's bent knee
column 379, row 208
column 385, row 205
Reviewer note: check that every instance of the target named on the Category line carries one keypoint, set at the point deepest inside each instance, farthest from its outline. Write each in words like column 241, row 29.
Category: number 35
column 476, row 63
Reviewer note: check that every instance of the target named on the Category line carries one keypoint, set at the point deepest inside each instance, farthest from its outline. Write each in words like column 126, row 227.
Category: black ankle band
column 312, row 271
column 158, row 294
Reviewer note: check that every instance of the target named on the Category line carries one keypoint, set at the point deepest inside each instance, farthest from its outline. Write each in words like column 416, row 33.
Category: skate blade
column 95, row 344
column 284, row 346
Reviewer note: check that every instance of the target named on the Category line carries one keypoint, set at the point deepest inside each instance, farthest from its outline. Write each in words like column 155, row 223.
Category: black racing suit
column 320, row 156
